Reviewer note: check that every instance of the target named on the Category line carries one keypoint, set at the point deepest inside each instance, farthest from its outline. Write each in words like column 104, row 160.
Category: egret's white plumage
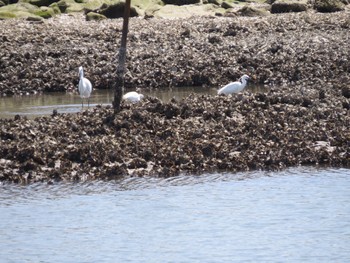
column 234, row 87
column 85, row 87
column 133, row 96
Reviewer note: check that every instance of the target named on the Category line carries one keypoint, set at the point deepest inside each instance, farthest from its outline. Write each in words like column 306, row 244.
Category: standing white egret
column 85, row 87
column 234, row 87
column 133, row 96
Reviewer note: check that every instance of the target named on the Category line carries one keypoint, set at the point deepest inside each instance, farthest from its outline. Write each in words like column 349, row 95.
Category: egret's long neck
column 81, row 74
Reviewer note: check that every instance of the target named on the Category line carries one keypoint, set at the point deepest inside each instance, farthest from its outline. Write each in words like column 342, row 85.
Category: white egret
column 133, row 96
column 85, row 87
column 234, row 87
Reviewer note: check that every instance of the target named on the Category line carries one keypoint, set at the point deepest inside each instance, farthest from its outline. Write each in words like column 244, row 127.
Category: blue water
column 298, row 215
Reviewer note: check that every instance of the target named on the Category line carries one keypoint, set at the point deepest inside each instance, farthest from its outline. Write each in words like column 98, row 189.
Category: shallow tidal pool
column 44, row 104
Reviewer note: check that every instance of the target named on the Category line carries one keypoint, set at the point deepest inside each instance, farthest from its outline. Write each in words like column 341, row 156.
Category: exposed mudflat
column 302, row 120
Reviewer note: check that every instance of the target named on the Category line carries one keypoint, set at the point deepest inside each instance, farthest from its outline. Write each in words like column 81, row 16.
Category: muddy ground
column 303, row 119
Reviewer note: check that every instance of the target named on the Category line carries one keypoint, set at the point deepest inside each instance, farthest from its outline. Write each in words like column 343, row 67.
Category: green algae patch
column 19, row 14
column 185, row 11
column 46, row 12
column 19, row 10
column 55, row 8
column 146, row 4
column 161, row 8
column 21, row 6
column 73, row 6
column 6, row 14
column 27, row 10
column 92, row 16
column 252, row 12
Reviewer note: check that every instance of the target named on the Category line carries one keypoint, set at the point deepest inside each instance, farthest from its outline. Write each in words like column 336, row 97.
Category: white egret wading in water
column 85, row 87
column 234, row 87
column 133, row 96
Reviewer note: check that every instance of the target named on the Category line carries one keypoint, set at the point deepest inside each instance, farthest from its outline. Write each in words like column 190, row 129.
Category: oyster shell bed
column 303, row 119
column 303, row 48
column 194, row 135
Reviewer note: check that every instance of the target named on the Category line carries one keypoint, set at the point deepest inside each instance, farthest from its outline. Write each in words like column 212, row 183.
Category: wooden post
column 118, row 93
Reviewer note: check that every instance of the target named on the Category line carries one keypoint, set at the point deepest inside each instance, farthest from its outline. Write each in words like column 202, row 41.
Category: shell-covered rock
column 303, row 119
column 198, row 134
column 297, row 48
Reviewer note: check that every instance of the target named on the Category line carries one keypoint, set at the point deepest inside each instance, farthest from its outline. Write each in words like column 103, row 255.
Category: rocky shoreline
column 303, row 119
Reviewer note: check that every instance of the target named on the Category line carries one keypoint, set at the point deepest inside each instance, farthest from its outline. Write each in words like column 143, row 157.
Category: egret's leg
column 88, row 103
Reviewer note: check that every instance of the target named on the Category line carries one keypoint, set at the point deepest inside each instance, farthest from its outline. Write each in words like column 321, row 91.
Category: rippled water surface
column 298, row 215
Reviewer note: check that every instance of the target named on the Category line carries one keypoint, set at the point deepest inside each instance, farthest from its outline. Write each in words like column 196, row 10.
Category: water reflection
column 44, row 104
column 35, row 105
